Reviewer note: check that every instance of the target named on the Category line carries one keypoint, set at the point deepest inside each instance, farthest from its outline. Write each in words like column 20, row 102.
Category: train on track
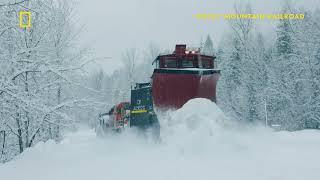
column 177, row 77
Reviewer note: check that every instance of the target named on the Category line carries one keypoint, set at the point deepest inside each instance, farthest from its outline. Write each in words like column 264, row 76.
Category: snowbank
column 197, row 143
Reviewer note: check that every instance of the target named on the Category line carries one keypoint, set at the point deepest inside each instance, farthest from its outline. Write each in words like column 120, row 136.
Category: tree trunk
column 33, row 137
column 3, row 141
column 57, row 135
column 26, row 128
column 26, row 123
column 19, row 135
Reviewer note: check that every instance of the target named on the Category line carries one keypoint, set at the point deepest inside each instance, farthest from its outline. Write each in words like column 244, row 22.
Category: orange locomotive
column 117, row 118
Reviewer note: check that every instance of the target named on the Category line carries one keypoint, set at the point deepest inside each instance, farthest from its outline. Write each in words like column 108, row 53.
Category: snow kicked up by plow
column 197, row 142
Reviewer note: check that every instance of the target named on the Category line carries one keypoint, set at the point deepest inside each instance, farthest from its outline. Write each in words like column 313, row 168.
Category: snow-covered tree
column 275, row 82
column 37, row 65
column 208, row 48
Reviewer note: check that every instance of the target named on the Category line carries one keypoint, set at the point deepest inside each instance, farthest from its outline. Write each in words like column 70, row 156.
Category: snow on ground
column 198, row 142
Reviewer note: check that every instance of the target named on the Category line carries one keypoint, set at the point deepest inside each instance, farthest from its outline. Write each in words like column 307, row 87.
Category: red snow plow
column 181, row 76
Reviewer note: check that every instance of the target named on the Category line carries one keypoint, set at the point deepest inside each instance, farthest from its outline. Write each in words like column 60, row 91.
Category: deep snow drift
column 198, row 142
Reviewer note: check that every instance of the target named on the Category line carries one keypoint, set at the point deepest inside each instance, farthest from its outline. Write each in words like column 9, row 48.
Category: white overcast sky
column 111, row 26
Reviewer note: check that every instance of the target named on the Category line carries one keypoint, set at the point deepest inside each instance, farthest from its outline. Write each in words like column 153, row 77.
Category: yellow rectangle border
column 22, row 13
column 138, row 111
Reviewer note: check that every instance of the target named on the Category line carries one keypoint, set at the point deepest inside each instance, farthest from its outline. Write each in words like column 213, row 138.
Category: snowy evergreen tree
column 208, row 47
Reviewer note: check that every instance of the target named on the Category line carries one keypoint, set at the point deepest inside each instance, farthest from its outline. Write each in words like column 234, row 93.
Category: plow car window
column 206, row 64
column 187, row 64
column 170, row 63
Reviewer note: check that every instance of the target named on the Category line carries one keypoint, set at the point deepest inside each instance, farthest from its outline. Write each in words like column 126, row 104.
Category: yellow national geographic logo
column 25, row 19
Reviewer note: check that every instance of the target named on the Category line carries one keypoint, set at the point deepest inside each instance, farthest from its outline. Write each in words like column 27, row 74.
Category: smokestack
column 180, row 49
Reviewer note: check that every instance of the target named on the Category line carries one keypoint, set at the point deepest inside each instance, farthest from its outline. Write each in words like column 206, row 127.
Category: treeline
column 44, row 87
column 277, row 83
column 38, row 66
column 273, row 80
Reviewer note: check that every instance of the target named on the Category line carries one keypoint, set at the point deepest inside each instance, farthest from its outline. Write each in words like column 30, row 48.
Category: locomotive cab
column 184, row 58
